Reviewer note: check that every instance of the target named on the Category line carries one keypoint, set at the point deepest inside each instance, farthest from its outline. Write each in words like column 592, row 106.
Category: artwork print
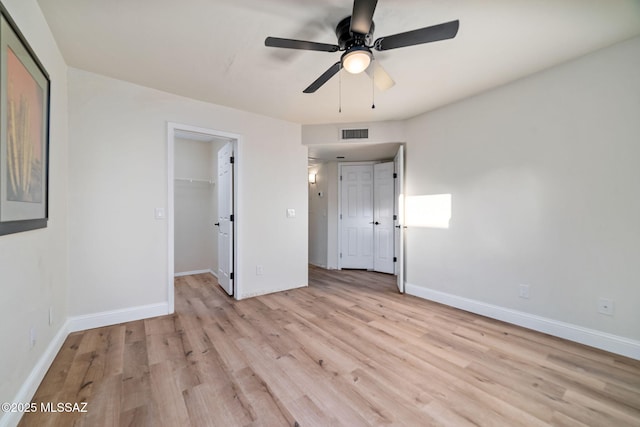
column 24, row 133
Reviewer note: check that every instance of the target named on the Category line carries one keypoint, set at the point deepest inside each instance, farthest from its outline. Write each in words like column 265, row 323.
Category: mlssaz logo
column 63, row 407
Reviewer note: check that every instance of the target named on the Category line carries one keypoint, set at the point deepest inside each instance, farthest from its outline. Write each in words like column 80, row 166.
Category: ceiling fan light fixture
column 356, row 60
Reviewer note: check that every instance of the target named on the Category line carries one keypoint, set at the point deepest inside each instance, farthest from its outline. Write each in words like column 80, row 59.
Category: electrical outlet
column 259, row 270
column 605, row 306
column 523, row 291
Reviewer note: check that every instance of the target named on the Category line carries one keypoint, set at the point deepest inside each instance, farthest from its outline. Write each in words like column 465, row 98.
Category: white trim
column 171, row 128
column 238, row 144
column 31, row 384
column 319, row 265
column 591, row 337
column 189, row 273
column 114, row 317
column 270, row 291
column 74, row 324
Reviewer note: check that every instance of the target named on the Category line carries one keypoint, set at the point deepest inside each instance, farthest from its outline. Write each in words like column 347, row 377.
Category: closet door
column 225, row 217
column 356, row 217
column 398, row 210
column 383, row 225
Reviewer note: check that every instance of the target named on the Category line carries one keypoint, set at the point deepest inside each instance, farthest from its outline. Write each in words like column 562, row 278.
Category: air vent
column 355, row 133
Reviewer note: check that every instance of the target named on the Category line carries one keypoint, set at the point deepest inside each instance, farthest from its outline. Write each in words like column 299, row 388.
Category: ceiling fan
column 355, row 34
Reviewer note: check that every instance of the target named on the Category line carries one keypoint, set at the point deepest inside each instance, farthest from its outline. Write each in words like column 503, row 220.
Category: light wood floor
column 348, row 350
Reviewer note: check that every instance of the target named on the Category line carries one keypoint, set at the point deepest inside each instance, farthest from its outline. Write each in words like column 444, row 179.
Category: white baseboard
column 113, row 317
column 268, row 291
column 31, row 384
column 74, row 324
column 318, row 265
column 591, row 337
column 189, row 273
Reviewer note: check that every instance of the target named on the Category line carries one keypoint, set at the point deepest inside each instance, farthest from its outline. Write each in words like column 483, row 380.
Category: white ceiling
column 213, row 50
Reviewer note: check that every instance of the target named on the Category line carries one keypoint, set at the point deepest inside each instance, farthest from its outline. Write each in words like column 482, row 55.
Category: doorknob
column 217, row 224
column 376, row 223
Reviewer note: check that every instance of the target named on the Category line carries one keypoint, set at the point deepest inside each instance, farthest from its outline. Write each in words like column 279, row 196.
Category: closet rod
column 209, row 181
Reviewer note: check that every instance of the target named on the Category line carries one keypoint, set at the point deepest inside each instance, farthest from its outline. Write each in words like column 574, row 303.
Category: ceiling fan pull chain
column 340, row 91
column 373, row 91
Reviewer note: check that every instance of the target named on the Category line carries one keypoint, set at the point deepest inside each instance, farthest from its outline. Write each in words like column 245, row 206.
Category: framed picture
column 24, row 133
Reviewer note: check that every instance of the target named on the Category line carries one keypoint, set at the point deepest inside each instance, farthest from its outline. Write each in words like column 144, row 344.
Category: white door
column 356, row 216
column 399, row 218
column 225, row 217
column 383, row 211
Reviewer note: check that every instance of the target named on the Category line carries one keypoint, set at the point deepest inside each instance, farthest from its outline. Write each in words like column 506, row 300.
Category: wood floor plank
column 210, row 405
column 166, row 396
column 135, row 379
column 347, row 350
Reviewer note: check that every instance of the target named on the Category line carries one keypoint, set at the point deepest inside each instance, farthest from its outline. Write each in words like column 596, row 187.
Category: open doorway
column 201, row 198
column 326, row 234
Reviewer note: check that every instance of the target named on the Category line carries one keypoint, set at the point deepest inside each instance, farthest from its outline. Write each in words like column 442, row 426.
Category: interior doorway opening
column 325, row 200
column 195, row 189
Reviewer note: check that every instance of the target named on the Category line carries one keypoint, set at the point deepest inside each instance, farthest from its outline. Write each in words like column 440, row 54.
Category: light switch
column 159, row 213
column 291, row 213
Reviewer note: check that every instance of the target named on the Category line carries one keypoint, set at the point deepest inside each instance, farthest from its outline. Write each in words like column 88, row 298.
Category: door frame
column 237, row 145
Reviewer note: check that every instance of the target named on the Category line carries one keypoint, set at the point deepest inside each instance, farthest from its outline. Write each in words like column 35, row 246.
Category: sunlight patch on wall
column 430, row 211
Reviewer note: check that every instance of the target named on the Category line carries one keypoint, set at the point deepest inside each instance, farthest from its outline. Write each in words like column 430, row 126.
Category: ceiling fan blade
column 381, row 78
column 362, row 15
column 323, row 78
column 448, row 30
column 300, row 44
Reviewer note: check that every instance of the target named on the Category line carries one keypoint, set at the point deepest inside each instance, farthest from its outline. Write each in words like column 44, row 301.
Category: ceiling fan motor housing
column 347, row 39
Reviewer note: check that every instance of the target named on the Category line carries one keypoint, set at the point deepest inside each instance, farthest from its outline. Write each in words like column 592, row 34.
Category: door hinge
column 340, row 216
column 231, row 218
column 231, row 276
column 340, row 177
column 395, row 259
column 340, row 254
column 395, row 217
column 395, row 175
column 232, row 159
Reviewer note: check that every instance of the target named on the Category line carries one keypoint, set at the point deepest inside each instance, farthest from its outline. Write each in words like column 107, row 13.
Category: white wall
column 379, row 132
column 318, row 209
column 544, row 179
column 118, row 175
column 323, row 216
column 33, row 264
column 195, row 209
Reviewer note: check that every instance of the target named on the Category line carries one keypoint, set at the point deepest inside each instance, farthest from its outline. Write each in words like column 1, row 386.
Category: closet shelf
column 208, row 181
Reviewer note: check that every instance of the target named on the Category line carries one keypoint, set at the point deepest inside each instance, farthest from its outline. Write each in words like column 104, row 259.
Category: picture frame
column 24, row 133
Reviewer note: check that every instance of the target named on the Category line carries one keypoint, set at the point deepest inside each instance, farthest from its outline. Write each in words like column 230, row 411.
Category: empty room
column 337, row 213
